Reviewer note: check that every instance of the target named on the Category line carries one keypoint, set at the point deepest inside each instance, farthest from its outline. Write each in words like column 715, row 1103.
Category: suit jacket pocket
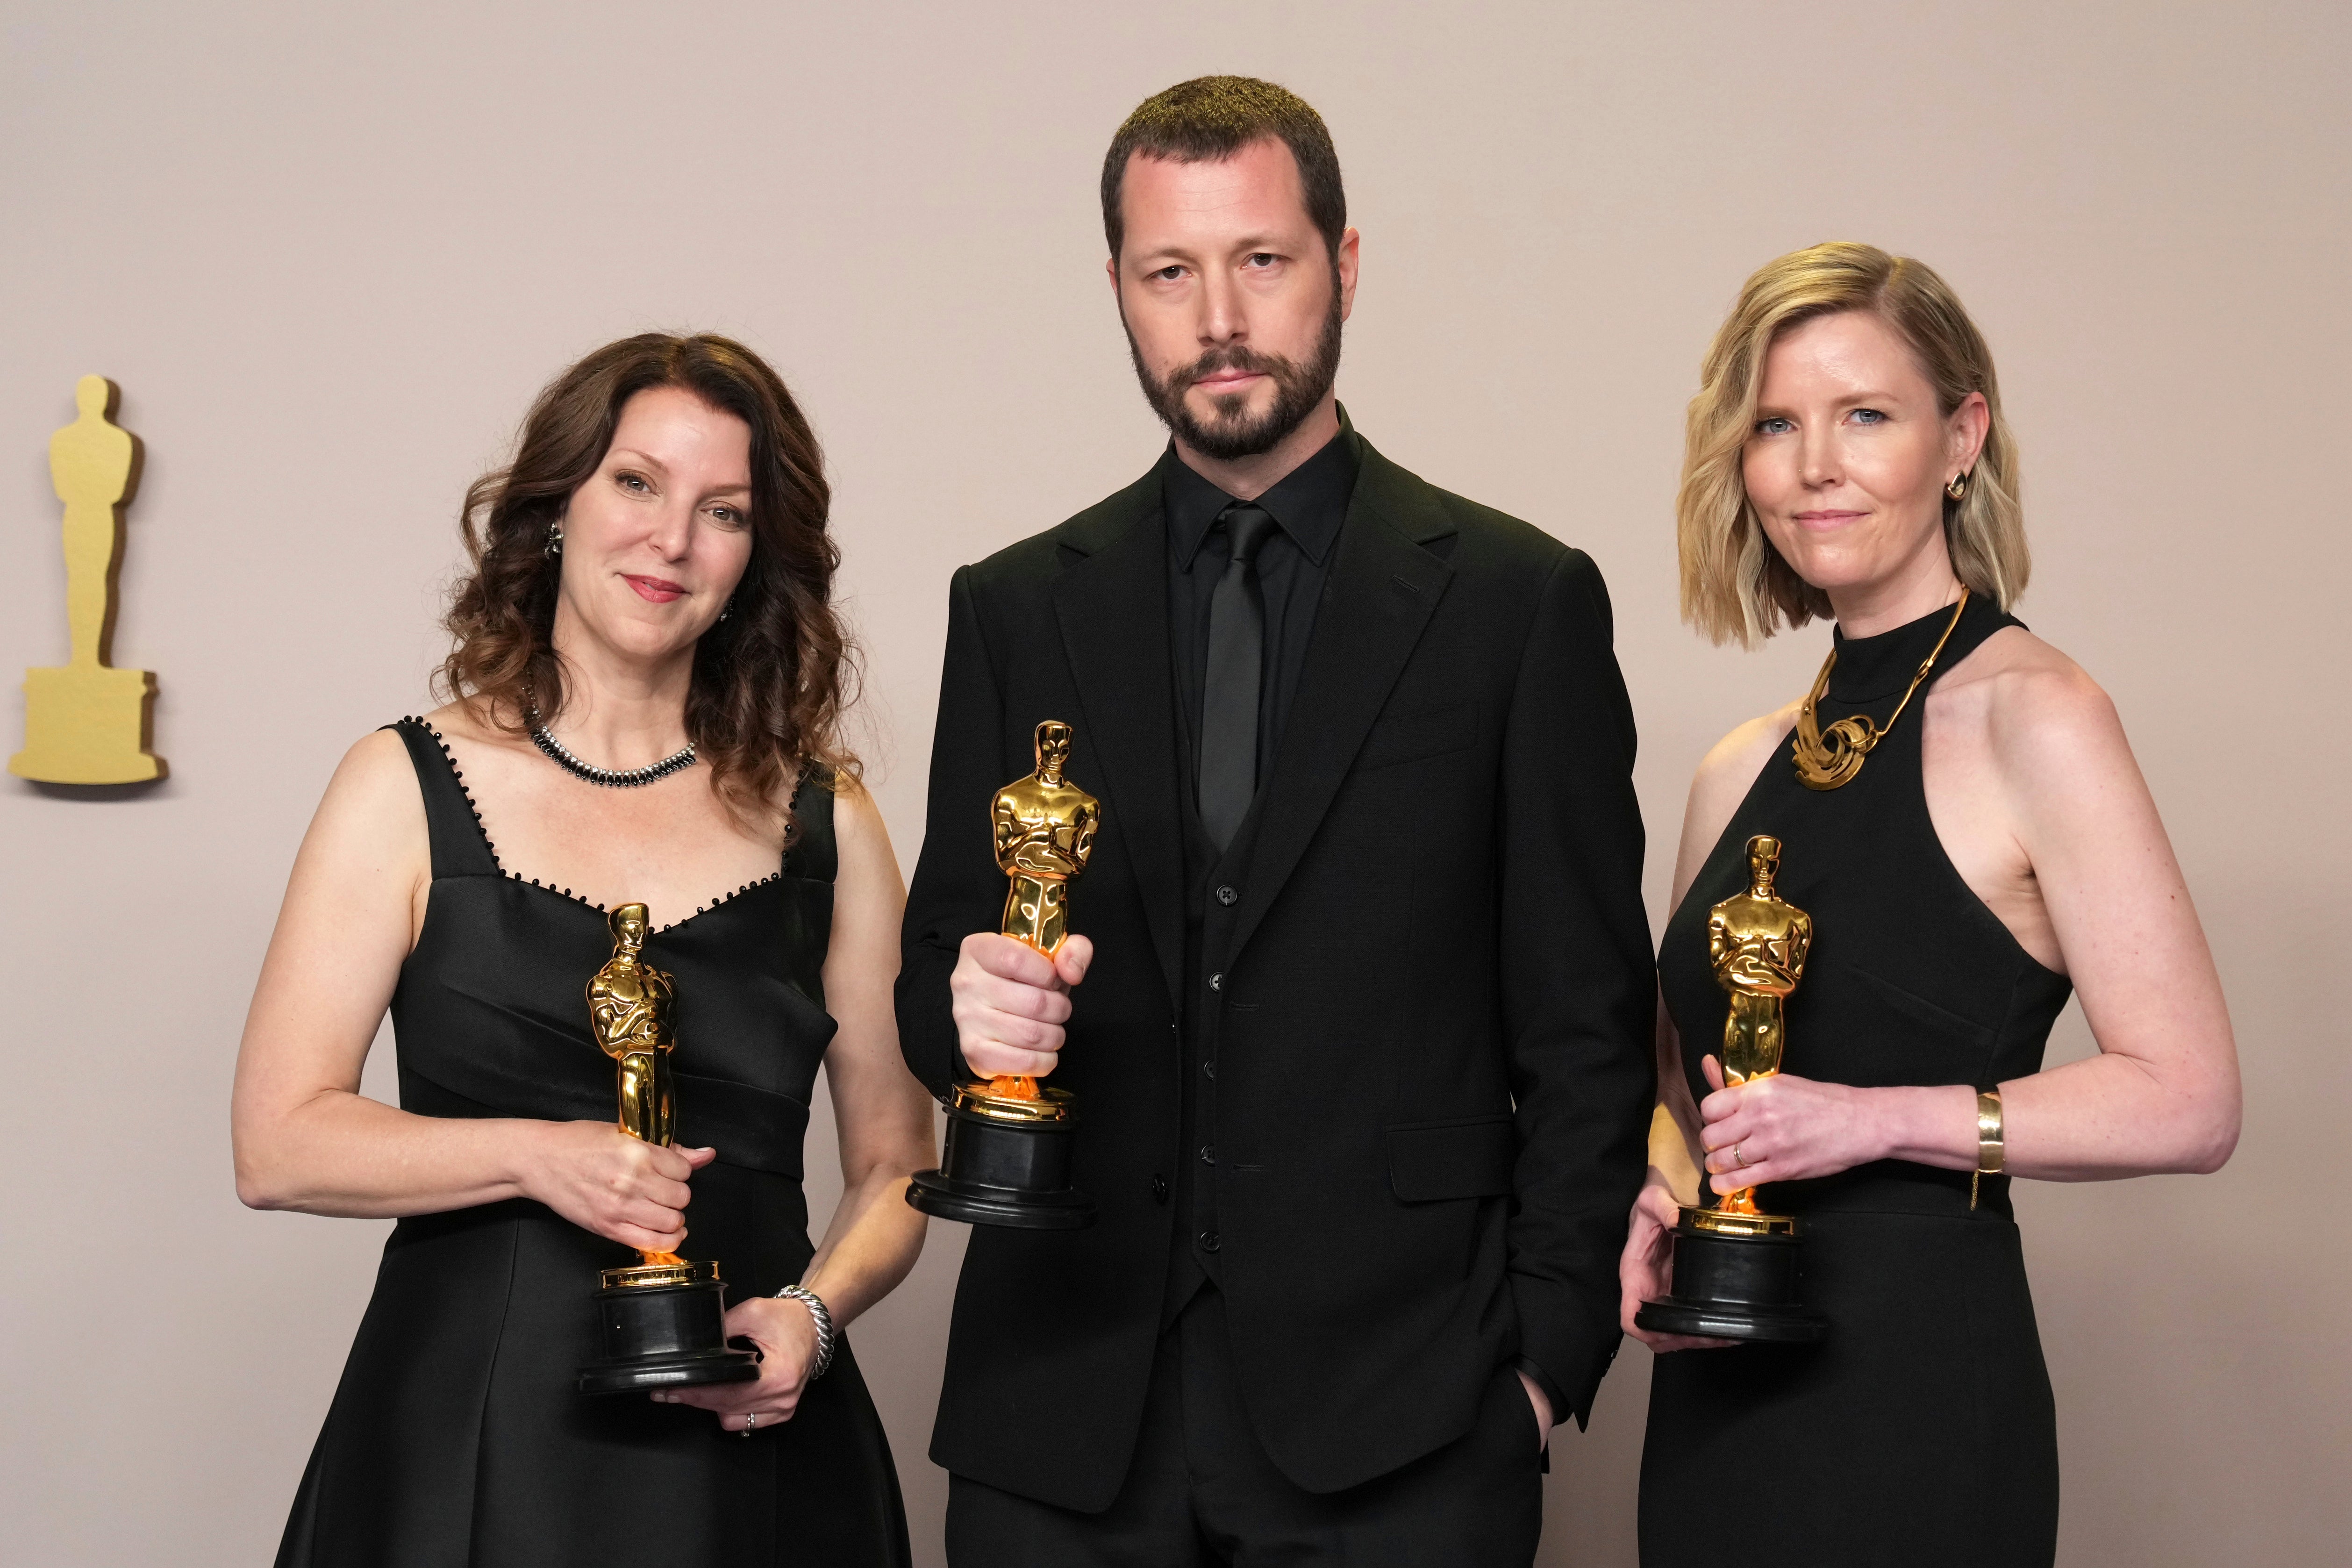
column 1423, row 732
column 1465, row 1158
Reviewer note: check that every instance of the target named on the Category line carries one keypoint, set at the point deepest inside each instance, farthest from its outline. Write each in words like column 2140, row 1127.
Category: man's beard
column 1231, row 432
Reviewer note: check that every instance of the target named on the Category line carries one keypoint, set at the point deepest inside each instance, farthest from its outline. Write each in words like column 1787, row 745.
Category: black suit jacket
column 1433, row 1065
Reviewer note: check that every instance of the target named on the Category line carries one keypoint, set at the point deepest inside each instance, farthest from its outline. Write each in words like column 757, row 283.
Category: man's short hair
column 1209, row 119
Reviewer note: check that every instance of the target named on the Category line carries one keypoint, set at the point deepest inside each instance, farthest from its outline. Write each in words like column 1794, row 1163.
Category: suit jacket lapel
column 1113, row 609
column 1384, row 588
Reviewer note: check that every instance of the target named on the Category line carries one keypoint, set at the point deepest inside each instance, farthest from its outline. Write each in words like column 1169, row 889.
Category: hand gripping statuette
column 1736, row 1266
column 663, row 1321
column 1007, row 1156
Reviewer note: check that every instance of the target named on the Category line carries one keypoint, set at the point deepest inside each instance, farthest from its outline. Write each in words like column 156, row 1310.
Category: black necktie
column 1229, row 695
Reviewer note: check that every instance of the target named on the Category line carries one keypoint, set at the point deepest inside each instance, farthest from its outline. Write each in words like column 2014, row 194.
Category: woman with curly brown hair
column 647, row 680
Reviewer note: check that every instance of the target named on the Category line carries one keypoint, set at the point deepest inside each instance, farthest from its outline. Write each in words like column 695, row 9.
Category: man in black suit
column 1361, row 1054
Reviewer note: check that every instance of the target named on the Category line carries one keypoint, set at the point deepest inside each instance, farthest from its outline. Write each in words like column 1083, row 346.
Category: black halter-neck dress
column 457, row 1436
column 1921, row 1431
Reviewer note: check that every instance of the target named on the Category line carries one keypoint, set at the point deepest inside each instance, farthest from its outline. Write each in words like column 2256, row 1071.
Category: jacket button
column 1207, row 1241
column 1209, row 1068
column 1228, row 897
column 1216, row 982
column 1159, row 1189
column 1208, row 1153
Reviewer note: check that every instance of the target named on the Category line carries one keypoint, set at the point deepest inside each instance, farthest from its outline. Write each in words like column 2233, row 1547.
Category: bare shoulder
column 862, row 837
column 371, row 822
column 1725, row 776
column 2037, row 712
column 463, row 721
column 1730, row 766
column 1739, row 756
column 376, row 778
column 855, row 811
column 869, row 896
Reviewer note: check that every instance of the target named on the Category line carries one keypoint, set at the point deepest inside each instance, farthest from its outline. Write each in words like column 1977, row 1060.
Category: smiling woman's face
column 1849, row 455
column 655, row 541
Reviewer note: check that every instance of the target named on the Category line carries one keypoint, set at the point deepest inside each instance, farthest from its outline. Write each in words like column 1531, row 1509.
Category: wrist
column 1931, row 1125
column 1679, row 1190
column 821, row 1317
column 525, row 1159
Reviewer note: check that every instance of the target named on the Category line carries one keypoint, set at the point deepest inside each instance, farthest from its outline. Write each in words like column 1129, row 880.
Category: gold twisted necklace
column 1828, row 758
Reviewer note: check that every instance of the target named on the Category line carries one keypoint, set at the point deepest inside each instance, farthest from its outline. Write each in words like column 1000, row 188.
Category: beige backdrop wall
column 330, row 257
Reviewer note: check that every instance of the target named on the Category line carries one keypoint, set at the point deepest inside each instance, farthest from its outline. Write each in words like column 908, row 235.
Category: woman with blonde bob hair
column 1955, row 807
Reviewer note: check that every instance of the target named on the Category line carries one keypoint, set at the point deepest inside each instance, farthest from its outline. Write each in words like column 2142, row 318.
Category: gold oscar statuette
column 629, row 1006
column 1755, row 943
column 1736, row 1266
column 1006, row 1159
column 1045, row 828
column 663, row 1319
column 87, row 723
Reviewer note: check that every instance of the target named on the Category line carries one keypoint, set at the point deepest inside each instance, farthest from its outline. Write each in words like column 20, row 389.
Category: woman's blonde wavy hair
column 1734, row 584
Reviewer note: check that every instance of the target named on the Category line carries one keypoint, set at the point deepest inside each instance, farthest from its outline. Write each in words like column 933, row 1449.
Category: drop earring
column 554, row 540
column 1957, row 488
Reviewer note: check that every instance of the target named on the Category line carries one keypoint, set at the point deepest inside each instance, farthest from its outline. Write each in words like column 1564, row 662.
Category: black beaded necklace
column 610, row 778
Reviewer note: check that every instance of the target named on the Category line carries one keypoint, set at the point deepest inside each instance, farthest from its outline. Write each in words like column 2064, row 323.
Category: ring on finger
column 750, row 1419
column 1738, row 1156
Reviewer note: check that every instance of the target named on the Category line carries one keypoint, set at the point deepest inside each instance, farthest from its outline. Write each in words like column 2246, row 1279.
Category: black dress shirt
column 1309, row 506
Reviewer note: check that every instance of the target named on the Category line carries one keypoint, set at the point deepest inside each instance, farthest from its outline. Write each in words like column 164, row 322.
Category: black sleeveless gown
column 456, row 1435
column 1921, row 1432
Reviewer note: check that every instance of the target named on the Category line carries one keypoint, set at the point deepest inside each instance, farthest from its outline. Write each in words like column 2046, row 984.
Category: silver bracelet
column 819, row 1315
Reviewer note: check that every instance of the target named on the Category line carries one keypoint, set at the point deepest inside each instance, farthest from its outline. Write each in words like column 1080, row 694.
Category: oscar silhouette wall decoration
column 87, row 723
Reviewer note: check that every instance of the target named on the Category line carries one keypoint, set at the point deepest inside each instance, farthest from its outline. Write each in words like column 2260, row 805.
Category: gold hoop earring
column 1957, row 488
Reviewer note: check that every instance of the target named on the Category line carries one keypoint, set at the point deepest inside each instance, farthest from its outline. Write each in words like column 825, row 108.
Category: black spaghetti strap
column 812, row 857
column 460, row 847
column 814, row 854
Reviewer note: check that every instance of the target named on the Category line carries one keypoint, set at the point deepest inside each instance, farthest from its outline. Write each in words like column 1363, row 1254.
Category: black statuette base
column 1014, row 1174
column 1734, row 1288
column 664, row 1336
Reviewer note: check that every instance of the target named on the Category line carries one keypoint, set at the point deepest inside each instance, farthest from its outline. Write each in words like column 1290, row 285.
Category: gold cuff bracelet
column 1988, row 1140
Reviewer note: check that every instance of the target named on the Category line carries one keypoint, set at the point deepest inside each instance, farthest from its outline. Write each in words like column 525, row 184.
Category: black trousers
column 1201, row 1490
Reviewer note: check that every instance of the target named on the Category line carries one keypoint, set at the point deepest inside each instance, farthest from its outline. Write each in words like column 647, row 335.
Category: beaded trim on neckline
column 458, row 774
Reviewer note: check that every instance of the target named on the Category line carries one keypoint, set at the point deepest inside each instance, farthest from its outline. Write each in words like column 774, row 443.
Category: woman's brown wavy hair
column 770, row 679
